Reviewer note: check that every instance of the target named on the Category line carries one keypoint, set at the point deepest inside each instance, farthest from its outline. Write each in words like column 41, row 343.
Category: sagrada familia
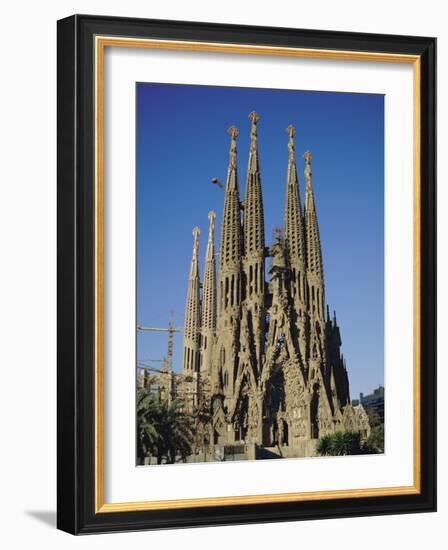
column 262, row 364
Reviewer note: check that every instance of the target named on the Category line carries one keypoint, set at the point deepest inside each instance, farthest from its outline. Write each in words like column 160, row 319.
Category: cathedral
column 262, row 365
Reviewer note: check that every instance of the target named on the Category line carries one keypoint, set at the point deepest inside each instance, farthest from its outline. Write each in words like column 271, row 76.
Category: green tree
column 344, row 443
column 148, row 412
column 374, row 417
column 164, row 429
column 376, row 438
column 176, row 432
column 339, row 443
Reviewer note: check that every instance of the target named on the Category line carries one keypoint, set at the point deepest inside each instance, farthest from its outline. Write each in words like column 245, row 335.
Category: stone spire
column 315, row 278
column 192, row 323
column 231, row 240
column 294, row 238
column 253, row 202
column 229, row 279
column 295, row 242
column 314, row 254
column 209, row 299
column 253, row 263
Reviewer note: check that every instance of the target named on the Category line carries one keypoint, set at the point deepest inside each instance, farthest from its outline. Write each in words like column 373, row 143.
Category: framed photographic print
column 246, row 274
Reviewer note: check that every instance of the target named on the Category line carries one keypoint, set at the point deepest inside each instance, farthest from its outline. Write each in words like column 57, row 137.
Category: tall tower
column 315, row 273
column 192, row 324
column 229, row 278
column 209, row 300
column 295, row 242
column 253, row 262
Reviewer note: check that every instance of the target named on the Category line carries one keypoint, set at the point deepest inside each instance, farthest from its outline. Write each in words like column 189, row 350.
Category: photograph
column 259, row 274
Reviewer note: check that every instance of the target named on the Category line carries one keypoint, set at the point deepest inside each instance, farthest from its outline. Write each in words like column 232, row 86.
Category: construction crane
column 168, row 364
column 143, row 365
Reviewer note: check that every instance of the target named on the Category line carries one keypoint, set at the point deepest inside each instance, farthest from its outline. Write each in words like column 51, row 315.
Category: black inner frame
column 76, row 460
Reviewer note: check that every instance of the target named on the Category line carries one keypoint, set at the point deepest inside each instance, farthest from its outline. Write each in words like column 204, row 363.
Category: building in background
column 373, row 402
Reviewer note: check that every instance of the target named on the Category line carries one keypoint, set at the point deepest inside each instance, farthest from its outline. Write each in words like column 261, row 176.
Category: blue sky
column 182, row 143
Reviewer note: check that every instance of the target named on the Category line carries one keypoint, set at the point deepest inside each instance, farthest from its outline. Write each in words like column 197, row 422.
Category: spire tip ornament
column 291, row 132
column 211, row 217
column 196, row 232
column 254, row 117
column 308, row 156
column 233, row 132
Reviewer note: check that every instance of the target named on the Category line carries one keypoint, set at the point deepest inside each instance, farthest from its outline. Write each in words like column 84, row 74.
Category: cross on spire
column 291, row 131
column 308, row 157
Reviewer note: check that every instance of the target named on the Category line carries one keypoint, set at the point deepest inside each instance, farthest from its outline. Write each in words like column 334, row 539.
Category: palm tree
column 147, row 433
column 340, row 443
column 175, row 431
column 164, row 429
column 344, row 443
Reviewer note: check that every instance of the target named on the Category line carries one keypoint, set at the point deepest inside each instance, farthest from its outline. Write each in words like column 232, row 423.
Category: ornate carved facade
column 261, row 361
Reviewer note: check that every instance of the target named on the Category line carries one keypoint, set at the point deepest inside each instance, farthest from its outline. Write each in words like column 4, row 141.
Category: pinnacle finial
column 211, row 217
column 233, row 132
column 308, row 156
column 196, row 232
column 291, row 132
column 254, row 117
